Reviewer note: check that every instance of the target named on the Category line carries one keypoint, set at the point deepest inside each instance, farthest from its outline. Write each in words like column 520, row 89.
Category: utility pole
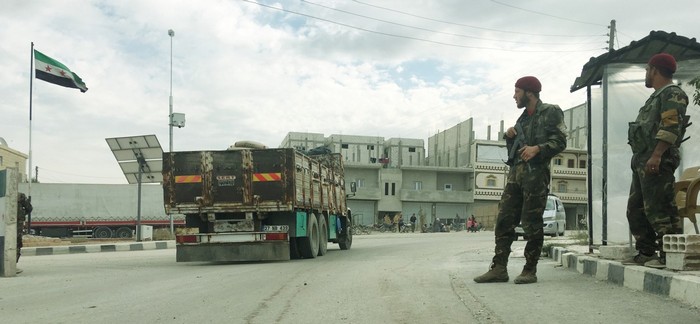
column 611, row 41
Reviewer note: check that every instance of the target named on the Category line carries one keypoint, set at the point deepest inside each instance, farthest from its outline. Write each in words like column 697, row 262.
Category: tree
column 696, row 95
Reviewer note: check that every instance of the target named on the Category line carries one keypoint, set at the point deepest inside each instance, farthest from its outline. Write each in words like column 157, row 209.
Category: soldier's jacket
column 662, row 118
column 546, row 129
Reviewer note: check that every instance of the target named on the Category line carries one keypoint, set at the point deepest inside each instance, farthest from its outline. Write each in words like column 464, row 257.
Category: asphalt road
column 384, row 278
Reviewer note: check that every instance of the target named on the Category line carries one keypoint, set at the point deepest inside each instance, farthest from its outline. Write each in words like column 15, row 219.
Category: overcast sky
column 256, row 70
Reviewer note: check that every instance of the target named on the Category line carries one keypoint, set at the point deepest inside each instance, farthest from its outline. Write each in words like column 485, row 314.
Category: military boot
column 529, row 275
column 497, row 273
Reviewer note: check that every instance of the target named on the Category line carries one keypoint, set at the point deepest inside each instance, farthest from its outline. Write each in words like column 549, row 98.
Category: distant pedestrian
column 413, row 222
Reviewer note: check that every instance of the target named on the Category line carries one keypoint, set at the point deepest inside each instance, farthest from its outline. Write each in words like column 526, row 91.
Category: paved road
column 384, row 278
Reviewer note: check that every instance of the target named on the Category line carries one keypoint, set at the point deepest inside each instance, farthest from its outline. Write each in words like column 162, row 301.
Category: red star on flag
column 63, row 73
column 48, row 68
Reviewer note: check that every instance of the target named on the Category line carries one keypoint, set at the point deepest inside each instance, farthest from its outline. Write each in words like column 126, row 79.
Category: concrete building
column 392, row 177
column 11, row 158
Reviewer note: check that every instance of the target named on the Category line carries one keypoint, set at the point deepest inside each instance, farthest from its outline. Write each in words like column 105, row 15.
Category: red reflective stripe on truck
column 188, row 179
column 267, row 176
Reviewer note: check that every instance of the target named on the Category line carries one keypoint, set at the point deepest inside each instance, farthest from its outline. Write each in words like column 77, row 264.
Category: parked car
column 554, row 217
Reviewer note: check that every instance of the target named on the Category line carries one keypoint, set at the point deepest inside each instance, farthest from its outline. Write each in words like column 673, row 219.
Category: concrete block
column 615, row 252
column 682, row 261
column 687, row 243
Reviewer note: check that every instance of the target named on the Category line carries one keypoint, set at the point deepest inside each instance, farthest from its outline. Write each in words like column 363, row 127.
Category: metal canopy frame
column 141, row 160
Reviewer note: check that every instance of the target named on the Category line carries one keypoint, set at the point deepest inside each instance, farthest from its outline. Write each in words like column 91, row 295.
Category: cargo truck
column 251, row 203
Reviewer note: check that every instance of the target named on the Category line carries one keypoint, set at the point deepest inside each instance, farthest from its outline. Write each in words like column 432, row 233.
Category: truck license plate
column 276, row 228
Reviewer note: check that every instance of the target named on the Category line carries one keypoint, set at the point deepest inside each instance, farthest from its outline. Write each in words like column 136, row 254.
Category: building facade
column 11, row 158
column 392, row 177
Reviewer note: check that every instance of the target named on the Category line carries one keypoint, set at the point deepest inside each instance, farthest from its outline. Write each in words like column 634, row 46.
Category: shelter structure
column 614, row 82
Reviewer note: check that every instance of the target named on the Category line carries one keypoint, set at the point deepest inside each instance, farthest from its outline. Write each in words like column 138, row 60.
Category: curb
column 682, row 286
column 92, row 248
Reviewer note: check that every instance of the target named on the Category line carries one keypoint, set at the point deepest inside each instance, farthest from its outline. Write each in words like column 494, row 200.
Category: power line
column 465, row 25
column 440, row 32
column 415, row 38
column 546, row 14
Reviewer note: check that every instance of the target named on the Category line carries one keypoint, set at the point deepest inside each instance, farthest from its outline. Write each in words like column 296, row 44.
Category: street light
column 171, row 33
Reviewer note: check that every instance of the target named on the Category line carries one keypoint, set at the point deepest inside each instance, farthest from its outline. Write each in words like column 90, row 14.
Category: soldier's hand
column 652, row 166
column 528, row 152
column 511, row 132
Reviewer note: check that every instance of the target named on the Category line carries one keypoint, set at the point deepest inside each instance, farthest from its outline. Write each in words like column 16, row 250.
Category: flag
column 53, row 71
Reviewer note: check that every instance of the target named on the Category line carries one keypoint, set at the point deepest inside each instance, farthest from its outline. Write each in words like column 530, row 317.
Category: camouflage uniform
column 525, row 195
column 651, row 209
column 24, row 207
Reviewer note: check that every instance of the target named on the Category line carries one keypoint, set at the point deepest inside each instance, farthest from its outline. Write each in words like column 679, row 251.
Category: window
column 418, row 185
column 360, row 183
column 557, row 161
column 448, row 187
column 491, row 181
column 0, row 160
column 370, row 147
column 393, row 189
column 570, row 163
column 582, row 164
column 344, row 146
column 412, row 149
column 561, row 186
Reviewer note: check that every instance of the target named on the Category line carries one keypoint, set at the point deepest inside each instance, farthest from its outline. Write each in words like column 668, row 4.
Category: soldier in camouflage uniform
column 24, row 207
column 525, row 195
column 655, row 137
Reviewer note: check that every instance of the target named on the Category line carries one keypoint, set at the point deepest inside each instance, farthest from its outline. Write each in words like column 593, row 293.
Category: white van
column 554, row 217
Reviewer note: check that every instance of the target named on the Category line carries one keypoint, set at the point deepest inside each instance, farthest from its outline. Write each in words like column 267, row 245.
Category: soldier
column 655, row 137
column 24, row 207
column 539, row 135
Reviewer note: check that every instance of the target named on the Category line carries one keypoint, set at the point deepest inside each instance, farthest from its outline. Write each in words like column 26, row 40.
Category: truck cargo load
column 253, row 203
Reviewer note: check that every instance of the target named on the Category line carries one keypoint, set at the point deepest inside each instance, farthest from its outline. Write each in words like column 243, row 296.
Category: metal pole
column 171, row 33
column 170, row 115
column 138, row 204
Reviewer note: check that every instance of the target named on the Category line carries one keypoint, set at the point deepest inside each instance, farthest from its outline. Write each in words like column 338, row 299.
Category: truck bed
column 252, row 180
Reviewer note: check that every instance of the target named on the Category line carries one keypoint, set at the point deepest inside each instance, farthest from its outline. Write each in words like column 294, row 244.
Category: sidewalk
column 680, row 285
column 91, row 248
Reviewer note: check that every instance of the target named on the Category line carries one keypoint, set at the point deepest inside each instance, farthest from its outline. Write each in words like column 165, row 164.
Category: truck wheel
column 308, row 245
column 323, row 236
column 124, row 232
column 345, row 239
column 102, row 232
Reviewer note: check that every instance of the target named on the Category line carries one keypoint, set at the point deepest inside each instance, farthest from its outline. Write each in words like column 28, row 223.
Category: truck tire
column 124, row 232
column 308, row 245
column 102, row 232
column 345, row 238
column 323, row 236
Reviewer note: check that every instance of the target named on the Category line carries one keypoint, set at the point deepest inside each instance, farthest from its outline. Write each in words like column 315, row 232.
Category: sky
column 257, row 70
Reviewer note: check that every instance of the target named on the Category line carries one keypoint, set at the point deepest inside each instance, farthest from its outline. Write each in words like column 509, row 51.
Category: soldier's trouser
column 20, row 232
column 523, row 202
column 651, row 209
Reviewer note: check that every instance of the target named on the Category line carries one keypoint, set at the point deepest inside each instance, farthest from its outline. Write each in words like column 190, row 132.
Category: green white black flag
column 53, row 71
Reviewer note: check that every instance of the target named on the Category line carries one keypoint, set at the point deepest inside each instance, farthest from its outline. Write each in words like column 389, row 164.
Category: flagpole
column 31, row 83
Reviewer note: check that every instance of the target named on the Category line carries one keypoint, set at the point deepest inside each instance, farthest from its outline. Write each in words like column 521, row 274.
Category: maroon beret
column 529, row 83
column 663, row 60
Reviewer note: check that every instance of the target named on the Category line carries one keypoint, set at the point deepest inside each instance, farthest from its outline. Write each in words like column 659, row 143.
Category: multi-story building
column 391, row 177
column 10, row 158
